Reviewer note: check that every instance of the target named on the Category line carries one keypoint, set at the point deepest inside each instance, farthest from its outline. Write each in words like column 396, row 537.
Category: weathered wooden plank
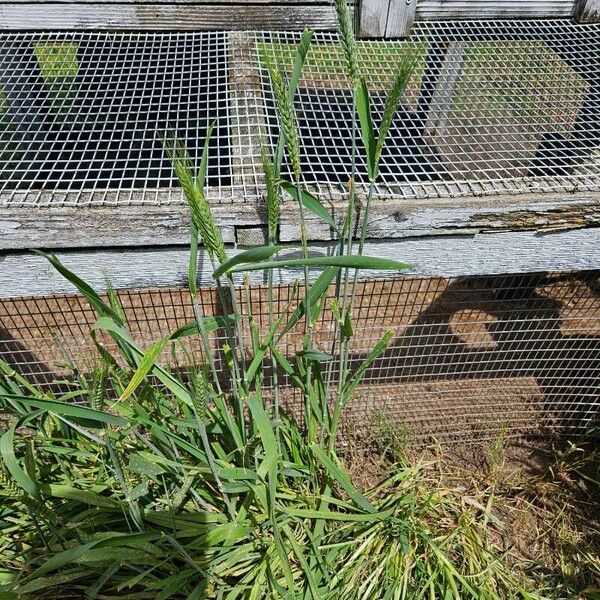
column 587, row 11
column 112, row 226
column 150, row 16
column 373, row 18
column 492, row 9
column 292, row 2
column 443, row 93
column 400, row 18
column 24, row 274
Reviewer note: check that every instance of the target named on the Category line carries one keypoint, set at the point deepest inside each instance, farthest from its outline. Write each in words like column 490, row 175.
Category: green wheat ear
column 199, row 207
column 347, row 39
column 7, row 483
column 405, row 70
column 272, row 185
column 199, row 393
column 287, row 117
column 115, row 301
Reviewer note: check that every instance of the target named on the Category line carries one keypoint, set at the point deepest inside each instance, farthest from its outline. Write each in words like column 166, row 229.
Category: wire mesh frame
column 494, row 107
column 471, row 357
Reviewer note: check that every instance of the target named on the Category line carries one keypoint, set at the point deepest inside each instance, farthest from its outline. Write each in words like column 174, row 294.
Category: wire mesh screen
column 470, row 357
column 493, row 107
column 85, row 116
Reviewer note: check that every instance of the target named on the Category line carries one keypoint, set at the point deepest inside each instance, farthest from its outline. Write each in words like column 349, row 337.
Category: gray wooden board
column 113, row 226
column 492, row 9
column 149, row 16
column 24, row 274
column 394, row 18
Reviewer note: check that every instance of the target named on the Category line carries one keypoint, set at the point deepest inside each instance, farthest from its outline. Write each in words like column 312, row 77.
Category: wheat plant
column 146, row 482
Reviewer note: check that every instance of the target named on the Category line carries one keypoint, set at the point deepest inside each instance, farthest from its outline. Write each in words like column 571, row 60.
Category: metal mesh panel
column 494, row 107
column 84, row 115
column 470, row 357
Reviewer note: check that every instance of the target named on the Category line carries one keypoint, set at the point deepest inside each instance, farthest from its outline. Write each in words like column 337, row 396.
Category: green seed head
column 287, row 118
column 272, row 185
column 200, row 209
column 347, row 39
column 199, row 394
column 98, row 387
column 7, row 485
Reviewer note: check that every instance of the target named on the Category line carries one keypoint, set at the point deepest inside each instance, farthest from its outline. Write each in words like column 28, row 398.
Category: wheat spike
column 8, row 485
column 405, row 70
column 199, row 207
column 114, row 300
column 272, row 185
column 347, row 39
column 199, row 394
column 287, row 118
column 98, row 387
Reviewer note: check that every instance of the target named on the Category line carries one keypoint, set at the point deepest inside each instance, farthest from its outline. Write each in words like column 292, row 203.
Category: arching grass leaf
column 251, row 256
column 311, row 203
column 354, row 261
column 7, row 452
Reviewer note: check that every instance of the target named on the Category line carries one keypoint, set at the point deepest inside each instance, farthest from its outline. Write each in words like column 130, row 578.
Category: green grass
column 147, row 482
column 58, row 65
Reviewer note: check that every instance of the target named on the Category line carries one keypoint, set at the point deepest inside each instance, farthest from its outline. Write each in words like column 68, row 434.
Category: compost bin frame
column 449, row 236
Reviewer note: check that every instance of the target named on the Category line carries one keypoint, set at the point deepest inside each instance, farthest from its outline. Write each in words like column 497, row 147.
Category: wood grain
column 163, row 225
column 149, row 16
column 24, row 274
column 587, row 11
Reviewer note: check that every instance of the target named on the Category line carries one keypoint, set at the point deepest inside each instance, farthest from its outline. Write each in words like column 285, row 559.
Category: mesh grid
column 84, row 115
column 494, row 107
column 470, row 357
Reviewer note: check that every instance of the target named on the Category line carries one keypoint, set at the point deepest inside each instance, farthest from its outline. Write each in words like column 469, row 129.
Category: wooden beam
column 168, row 224
column 586, row 11
column 24, row 274
column 149, row 16
column 484, row 9
column 373, row 18
column 400, row 18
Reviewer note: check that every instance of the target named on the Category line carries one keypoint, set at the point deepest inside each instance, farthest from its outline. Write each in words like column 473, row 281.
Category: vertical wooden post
column 443, row 94
column 587, row 11
column 386, row 18
column 400, row 18
column 373, row 18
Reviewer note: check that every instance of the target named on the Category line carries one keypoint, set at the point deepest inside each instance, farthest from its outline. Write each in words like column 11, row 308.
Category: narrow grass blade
column 299, row 58
column 201, row 177
column 252, row 256
column 405, row 71
column 317, row 290
column 381, row 345
column 91, row 296
column 363, row 108
column 72, row 410
column 353, row 261
column 311, row 203
column 193, row 263
column 7, row 452
column 341, row 477
column 328, row 515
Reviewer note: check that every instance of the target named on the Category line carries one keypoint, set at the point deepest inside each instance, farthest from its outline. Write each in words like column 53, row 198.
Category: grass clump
column 147, row 482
